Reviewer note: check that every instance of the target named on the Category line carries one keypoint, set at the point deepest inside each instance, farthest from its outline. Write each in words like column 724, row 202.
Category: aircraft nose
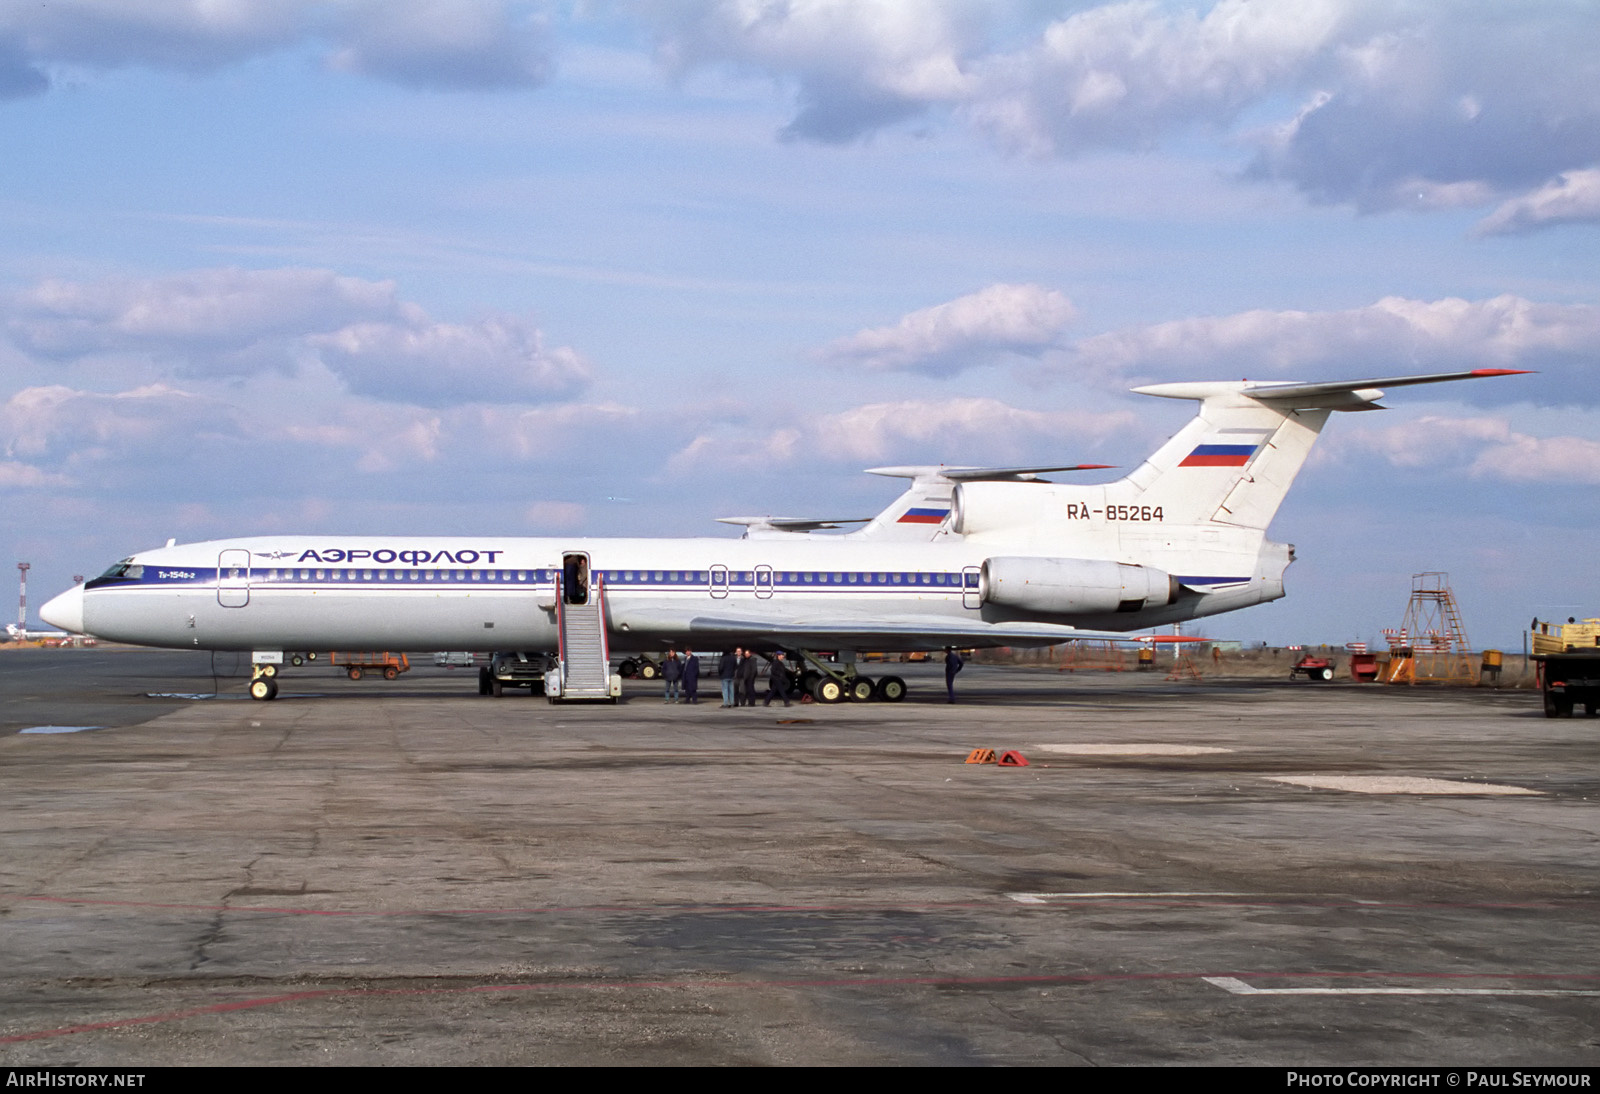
column 65, row 611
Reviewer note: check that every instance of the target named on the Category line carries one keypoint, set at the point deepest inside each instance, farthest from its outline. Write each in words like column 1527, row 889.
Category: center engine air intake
column 1074, row 586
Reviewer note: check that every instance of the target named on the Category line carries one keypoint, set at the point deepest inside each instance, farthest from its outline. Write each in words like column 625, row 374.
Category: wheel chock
column 981, row 756
column 1012, row 758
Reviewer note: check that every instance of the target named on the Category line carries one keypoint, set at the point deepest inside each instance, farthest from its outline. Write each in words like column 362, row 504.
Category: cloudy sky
column 624, row 266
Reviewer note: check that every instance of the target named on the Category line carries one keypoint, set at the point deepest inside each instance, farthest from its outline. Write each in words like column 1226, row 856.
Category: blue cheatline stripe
column 423, row 579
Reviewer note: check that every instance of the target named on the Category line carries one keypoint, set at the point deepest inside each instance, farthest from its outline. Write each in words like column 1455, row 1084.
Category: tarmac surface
column 407, row 873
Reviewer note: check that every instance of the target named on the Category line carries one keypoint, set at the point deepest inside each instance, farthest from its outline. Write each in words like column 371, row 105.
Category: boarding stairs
column 584, row 654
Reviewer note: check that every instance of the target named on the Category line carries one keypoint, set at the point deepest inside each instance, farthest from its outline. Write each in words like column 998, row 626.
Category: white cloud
column 961, row 430
column 1423, row 101
column 1422, row 105
column 1486, row 447
column 232, row 322
column 1393, row 336
column 500, row 358
column 444, row 43
column 57, row 424
column 973, row 428
column 22, row 476
column 1571, row 198
column 426, row 43
column 168, row 444
column 858, row 64
column 963, row 333
column 1126, row 74
column 200, row 311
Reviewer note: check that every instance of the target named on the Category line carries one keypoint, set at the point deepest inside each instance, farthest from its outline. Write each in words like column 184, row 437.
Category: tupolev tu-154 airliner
column 966, row 556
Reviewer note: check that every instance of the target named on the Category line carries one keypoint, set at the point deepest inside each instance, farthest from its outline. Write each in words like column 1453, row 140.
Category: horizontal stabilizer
column 1271, row 390
column 1320, row 395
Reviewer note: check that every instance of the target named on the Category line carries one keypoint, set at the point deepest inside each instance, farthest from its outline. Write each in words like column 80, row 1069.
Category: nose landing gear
column 263, row 682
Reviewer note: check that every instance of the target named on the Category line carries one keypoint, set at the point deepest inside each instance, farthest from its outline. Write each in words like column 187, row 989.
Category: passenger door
column 233, row 578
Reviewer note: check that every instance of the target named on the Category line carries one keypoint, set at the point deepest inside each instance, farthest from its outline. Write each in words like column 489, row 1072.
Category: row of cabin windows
column 625, row 577
column 512, row 576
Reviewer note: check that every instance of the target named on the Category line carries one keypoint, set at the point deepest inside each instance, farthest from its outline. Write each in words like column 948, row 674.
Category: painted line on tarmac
column 1045, row 898
column 1398, row 784
column 1236, row 986
column 59, row 729
column 1053, row 979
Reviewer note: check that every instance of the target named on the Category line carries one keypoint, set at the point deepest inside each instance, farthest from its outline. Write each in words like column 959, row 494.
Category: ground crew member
column 952, row 665
column 777, row 681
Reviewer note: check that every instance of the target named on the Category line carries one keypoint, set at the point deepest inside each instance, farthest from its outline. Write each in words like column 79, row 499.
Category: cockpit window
column 123, row 569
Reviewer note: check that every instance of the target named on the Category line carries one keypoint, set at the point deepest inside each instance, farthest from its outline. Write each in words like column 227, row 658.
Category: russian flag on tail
column 1231, row 448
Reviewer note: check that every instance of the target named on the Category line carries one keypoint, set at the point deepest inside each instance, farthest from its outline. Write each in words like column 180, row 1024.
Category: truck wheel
column 1325, row 674
column 483, row 681
column 297, row 660
column 355, row 672
column 391, row 673
column 496, row 687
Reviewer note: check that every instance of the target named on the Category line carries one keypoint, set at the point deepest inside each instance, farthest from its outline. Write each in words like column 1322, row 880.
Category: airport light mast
column 22, row 594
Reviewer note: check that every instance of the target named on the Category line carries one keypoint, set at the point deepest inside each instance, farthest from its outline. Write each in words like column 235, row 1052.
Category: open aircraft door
column 233, row 578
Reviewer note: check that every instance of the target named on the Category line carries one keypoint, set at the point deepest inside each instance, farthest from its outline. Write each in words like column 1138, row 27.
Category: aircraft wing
column 866, row 633
column 791, row 524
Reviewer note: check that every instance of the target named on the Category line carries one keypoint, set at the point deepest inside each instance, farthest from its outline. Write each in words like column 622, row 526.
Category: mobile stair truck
column 584, row 661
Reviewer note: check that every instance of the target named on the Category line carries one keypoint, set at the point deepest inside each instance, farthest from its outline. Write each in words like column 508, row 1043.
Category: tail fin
column 1234, row 463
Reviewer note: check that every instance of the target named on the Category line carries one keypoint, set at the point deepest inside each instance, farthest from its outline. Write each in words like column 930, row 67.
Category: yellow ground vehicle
column 1568, row 656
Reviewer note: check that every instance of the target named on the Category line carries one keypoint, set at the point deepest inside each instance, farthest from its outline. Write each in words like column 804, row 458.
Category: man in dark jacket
column 747, row 679
column 691, row 678
column 727, row 669
column 777, row 681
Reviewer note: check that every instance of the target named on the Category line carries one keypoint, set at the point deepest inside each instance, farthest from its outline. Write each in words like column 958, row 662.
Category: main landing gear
column 829, row 684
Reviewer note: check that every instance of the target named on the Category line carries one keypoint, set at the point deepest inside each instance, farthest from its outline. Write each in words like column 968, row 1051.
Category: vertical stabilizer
column 1232, row 464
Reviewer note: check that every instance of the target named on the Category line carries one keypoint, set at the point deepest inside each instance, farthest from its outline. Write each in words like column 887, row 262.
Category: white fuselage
column 487, row 593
